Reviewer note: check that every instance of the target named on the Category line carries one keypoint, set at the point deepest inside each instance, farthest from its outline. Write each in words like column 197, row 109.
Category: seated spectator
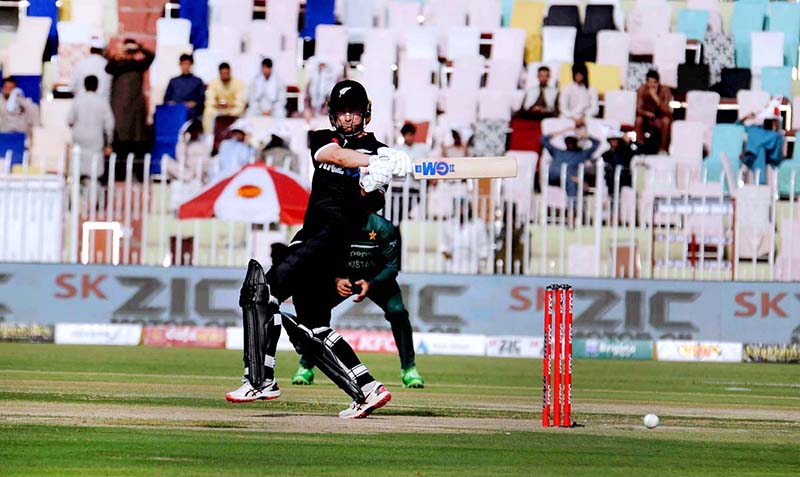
column 764, row 145
column 187, row 89
column 17, row 113
column 578, row 100
column 541, row 100
column 92, row 124
column 192, row 153
column 95, row 65
column 224, row 97
column 276, row 151
column 620, row 155
column 465, row 243
column 323, row 75
column 573, row 156
column 235, row 152
column 455, row 143
column 267, row 93
column 653, row 113
column 415, row 150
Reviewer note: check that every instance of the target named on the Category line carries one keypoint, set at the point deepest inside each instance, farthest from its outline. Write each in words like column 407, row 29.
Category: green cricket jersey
column 375, row 252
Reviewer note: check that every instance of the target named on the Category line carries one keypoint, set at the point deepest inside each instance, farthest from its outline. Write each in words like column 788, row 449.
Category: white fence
column 672, row 222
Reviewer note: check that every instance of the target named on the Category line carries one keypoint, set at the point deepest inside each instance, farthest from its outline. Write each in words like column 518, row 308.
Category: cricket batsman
column 371, row 272
column 348, row 164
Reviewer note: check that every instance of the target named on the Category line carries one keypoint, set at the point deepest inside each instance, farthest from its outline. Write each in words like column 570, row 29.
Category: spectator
column 573, row 156
column 653, row 113
column 192, row 153
column 94, row 64
column 764, row 146
column 578, row 100
column 92, row 124
column 127, row 69
column 415, row 150
column 541, row 100
column 620, row 155
column 187, row 88
column 322, row 76
column 267, row 93
column 224, row 97
column 17, row 113
column 235, row 152
column 276, row 152
column 465, row 244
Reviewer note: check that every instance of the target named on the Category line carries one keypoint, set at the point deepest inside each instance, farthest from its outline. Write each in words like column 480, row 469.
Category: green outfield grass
column 78, row 410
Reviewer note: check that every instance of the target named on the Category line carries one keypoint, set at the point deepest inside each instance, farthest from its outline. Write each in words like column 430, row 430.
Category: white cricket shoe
column 247, row 393
column 375, row 399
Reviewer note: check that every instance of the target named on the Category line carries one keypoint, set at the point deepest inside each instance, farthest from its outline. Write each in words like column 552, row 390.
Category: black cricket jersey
column 335, row 193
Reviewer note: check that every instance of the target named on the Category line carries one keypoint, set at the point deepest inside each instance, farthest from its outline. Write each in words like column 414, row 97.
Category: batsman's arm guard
column 260, row 335
column 308, row 344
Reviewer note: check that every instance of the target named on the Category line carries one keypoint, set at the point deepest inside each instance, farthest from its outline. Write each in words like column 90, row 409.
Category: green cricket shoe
column 412, row 379
column 303, row 376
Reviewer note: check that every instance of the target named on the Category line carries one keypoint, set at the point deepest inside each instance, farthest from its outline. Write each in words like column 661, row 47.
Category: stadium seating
column 558, row 44
column 766, row 49
column 621, row 107
column 747, row 18
column 528, row 17
column 12, row 144
column 777, row 81
column 785, row 17
column 693, row 23
column 485, row 15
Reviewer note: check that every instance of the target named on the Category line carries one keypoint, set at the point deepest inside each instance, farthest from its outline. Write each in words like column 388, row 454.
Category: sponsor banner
column 370, row 341
column 515, row 346
column 770, row 353
column 649, row 310
column 698, row 351
column 26, row 333
column 234, row 339
column 612, row 349
column 450, row 344
column 98, row 334
column 184, row 336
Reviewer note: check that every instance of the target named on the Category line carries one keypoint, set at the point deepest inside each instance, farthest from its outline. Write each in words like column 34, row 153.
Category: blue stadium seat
column 167, row 122
column 727, row 138
column 777, row 80
column 693, row 23
column 15, row 143
column 318, row 12
column 785, row 17
column 31, row 85
column 747, row 18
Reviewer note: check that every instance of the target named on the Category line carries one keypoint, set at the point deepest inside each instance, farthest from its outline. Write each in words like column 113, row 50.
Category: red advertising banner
column 370, row 341
column 184, row 336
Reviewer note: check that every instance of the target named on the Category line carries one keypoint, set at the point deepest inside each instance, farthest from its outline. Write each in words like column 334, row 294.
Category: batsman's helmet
column 349, row 95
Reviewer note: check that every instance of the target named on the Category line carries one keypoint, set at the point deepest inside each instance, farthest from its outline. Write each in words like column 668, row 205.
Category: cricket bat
column 465, row 168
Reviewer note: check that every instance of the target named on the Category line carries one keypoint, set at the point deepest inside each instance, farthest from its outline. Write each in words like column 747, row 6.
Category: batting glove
column 370, row 182
column 401, row 161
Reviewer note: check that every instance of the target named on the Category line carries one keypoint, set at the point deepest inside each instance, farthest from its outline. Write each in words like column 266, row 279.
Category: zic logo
column 440, row 168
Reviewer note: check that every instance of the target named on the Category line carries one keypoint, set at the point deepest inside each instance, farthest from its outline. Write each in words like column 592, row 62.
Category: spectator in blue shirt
column 187, row 89
column 572, row 156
